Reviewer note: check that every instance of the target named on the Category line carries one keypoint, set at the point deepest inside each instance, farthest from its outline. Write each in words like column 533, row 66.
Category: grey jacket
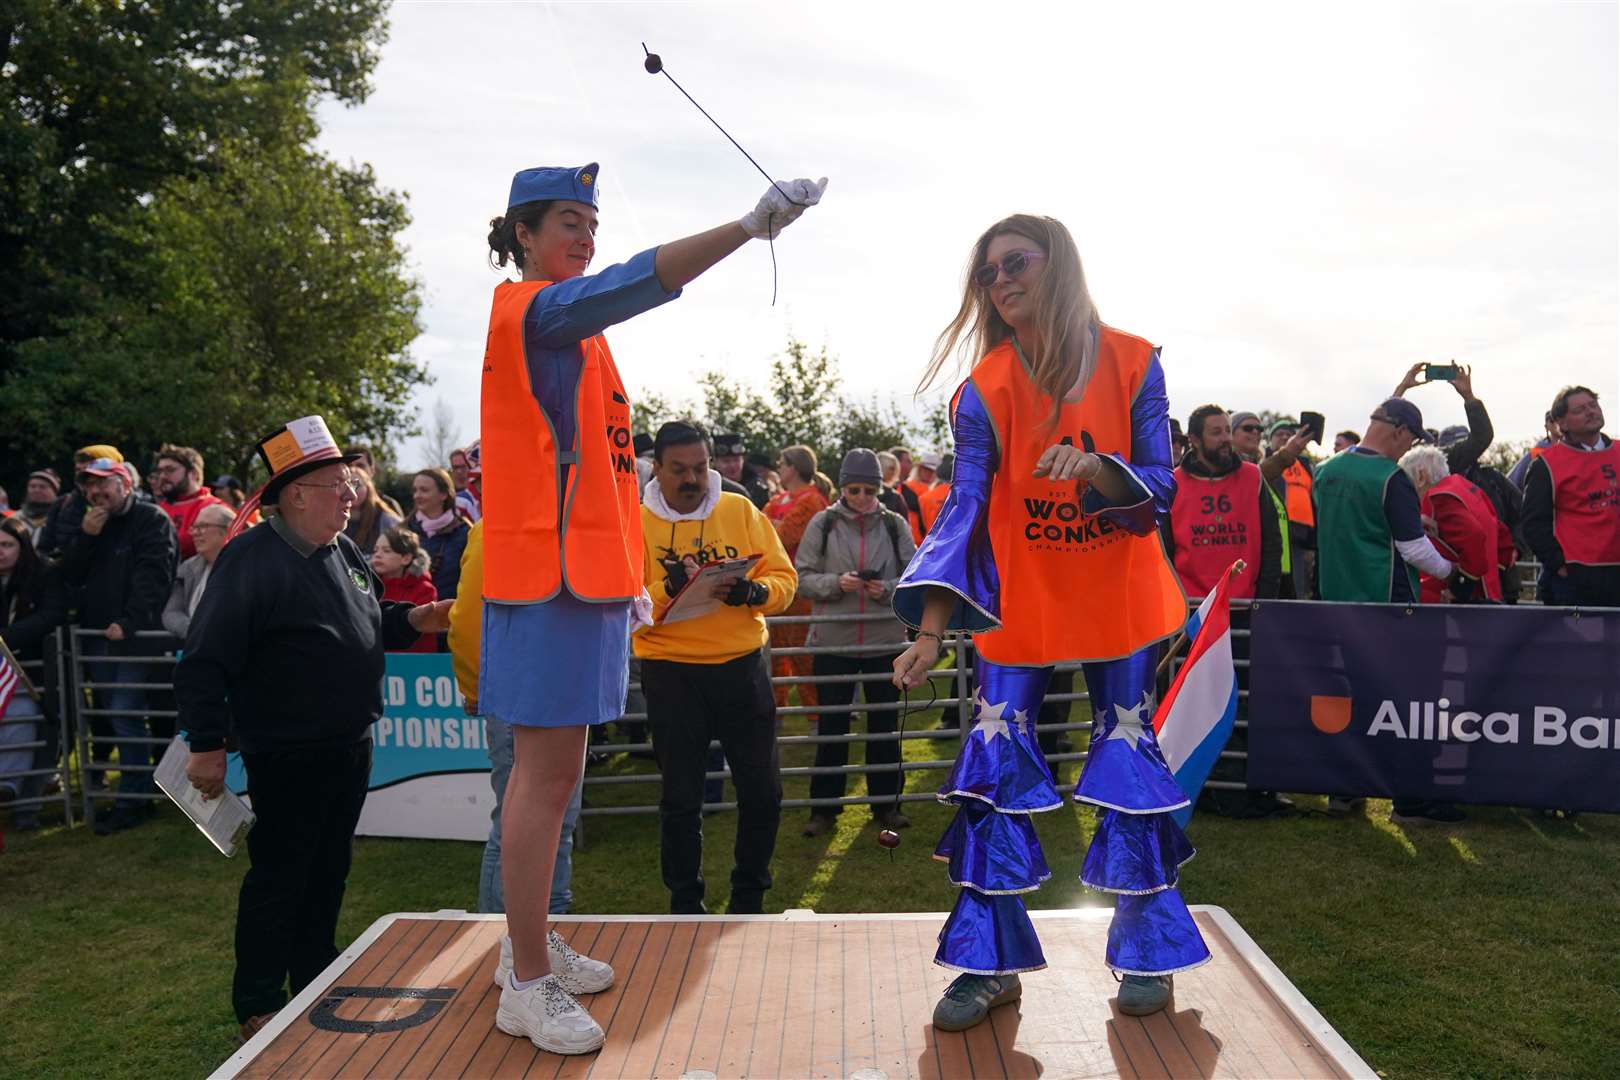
column 853, row 542
column 177, row 613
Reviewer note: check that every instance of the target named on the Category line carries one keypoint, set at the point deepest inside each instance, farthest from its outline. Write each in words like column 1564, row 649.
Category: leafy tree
column 119, row 122
column 805, row 404
column 1505, row 453
column 236, row 300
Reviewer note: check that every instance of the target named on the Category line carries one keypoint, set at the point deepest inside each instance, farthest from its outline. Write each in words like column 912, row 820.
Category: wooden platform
column 795, row 995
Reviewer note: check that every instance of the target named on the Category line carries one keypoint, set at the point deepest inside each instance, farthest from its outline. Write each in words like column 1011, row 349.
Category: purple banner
column 1515, row 706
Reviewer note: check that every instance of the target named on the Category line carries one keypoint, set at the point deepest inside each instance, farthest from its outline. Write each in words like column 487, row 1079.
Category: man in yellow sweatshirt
column 706, row 678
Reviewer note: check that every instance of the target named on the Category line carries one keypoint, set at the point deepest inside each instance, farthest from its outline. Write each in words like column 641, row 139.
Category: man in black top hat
column 729, row 451
column 285, row 654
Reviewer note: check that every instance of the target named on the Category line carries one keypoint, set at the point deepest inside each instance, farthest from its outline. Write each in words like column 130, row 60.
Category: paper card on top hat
column 299, row 441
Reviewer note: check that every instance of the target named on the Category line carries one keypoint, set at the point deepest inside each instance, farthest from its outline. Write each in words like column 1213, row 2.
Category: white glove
column 775, row 212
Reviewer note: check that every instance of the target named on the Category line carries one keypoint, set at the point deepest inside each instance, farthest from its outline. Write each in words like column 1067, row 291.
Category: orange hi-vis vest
column 1300, row 510
column 1073, row 586
column 1215, row 521
column 536, row 544
column 1586, row 503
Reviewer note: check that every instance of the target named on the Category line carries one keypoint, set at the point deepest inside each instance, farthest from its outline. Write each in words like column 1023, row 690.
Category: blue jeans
column 126, row 728
column 490, row 900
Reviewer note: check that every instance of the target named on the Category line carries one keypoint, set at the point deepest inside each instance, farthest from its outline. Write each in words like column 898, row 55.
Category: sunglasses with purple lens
column 1012, row 264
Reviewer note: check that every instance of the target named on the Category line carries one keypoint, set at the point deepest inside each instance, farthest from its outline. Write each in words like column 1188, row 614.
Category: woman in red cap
column 562, row 540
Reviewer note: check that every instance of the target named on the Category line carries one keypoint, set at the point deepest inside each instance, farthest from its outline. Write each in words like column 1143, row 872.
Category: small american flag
column 11, row 677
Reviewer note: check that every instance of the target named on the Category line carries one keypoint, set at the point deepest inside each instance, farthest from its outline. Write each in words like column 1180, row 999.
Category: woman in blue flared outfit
column 1047, row 551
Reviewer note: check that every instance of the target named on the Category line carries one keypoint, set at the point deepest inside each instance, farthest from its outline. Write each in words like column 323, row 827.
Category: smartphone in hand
column 1439, row 372
column 1312, row 425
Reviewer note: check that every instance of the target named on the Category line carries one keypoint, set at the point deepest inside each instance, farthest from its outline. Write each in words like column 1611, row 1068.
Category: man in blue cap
column 1366, row 508
column 1371, row 544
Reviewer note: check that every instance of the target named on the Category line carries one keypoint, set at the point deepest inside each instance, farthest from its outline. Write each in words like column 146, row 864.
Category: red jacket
column 417, row 589
column 184, row 512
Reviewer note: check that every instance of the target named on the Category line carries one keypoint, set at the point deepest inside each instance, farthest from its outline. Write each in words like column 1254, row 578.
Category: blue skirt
column 563, row 663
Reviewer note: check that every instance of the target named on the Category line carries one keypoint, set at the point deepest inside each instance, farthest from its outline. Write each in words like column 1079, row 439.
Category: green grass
column 1491, row 948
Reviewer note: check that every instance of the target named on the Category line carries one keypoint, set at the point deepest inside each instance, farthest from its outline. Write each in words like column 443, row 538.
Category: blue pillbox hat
column 543, row 182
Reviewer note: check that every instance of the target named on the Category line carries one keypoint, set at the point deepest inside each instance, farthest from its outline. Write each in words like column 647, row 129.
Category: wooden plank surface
column 821, row 996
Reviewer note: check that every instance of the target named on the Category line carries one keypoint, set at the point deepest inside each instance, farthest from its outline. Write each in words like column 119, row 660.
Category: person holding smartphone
column 1461, row 455
column 849, row 562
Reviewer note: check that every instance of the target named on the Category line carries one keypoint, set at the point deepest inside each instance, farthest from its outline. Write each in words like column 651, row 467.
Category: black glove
column 746, row 593
column 674, row 576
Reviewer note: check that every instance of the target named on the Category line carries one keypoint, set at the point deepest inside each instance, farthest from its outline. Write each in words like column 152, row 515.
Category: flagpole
column 1181, row 636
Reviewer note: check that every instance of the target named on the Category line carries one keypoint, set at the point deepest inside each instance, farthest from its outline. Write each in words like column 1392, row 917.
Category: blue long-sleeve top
column 568, row 312
column 956, row 554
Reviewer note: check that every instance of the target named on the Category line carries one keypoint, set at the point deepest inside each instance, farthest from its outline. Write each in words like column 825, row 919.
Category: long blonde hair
column 1065, row 356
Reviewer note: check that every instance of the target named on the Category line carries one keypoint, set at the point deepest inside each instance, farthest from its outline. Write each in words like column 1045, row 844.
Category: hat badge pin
column 585, row 178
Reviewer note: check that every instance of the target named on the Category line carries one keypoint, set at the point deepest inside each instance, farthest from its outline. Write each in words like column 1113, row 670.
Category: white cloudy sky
column 1297, row 201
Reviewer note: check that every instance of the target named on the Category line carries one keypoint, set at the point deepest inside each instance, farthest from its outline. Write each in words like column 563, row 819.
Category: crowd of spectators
column 1394, row 513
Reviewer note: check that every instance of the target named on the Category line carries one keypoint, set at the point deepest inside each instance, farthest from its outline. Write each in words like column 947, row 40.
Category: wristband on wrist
column 929, row 633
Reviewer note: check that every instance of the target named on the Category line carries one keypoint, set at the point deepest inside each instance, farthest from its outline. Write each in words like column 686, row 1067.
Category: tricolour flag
column 1195, row 718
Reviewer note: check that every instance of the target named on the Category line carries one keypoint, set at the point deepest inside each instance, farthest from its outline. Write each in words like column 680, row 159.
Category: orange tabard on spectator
column 930, row 502
column 1586, row 503
column 1216, row 520
column 1073, row 586
column 1478, row 557
column 592, row 546
column 1300, row 510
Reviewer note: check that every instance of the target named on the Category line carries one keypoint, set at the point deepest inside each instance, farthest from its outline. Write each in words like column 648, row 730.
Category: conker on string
column 654, row 63
column 889, row 838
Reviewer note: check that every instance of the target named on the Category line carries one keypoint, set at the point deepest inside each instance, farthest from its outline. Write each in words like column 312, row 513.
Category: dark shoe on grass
column 969, row 999
column 251, row 1026
column 1428, row 813
column 892, row 819
column 818, row 824
column 1340, row 807
column 122, row 818
column 1143, row 995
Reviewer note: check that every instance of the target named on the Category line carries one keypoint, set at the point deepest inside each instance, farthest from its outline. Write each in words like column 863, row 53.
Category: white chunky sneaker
column 549, row 1017
column 578, row 973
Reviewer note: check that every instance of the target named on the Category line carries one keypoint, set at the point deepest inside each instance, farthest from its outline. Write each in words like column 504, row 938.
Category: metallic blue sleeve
column 1150, row 474
column 956, row 555
column 583, row 307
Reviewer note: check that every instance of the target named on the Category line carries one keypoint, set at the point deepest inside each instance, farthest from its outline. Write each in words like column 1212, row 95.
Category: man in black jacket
column 285, row 654
column 122, row 567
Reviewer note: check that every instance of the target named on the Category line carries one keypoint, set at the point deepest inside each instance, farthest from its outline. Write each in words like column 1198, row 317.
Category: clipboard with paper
column 697, row 598
column 224, row 820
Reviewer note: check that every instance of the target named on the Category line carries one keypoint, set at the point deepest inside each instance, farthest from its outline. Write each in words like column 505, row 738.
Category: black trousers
column 308, row 802
column 687, row 706
column 884, row 782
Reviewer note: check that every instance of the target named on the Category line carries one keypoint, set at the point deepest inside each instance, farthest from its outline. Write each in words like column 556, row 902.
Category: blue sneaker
column 969, row 999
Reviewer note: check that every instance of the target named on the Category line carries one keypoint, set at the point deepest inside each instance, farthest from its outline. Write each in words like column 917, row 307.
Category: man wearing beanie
column 44, row 488
column 851, row 555
column 706, row 678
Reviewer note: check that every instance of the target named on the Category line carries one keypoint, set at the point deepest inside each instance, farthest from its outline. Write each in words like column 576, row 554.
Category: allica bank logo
column 1438, row 721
